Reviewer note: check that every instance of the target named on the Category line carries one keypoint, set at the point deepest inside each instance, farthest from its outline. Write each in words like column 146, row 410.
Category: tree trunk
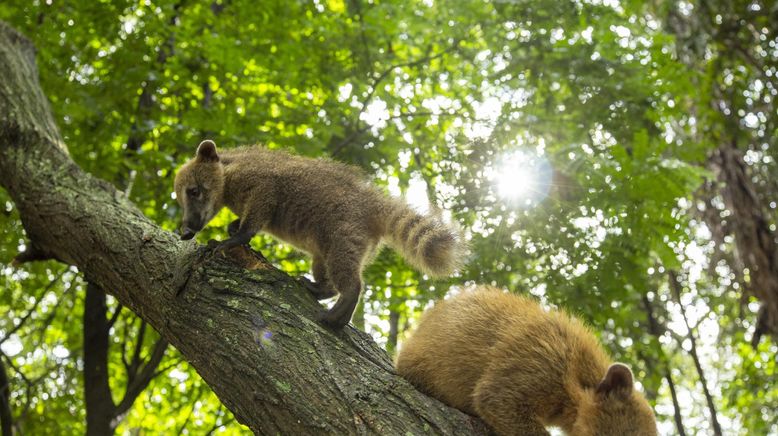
column 247, row 328
column 756, row 243
column 100, row 408
column 6, row 419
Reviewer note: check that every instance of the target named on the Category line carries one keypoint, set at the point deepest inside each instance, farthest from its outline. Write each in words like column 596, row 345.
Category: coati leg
column 251, row 221
column 344, row 271
column 322, row 288
column 241, row 237
column 238, row 236
column 505, row 415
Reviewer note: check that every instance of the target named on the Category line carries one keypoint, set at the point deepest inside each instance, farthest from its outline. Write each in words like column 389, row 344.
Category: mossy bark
column 247, row 328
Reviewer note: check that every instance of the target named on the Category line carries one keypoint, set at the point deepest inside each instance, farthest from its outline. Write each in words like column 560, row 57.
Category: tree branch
column 136, row 361
column 142, row 378
column 115, row 315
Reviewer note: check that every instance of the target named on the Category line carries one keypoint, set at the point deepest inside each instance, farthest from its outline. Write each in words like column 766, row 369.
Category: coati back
column 325, row 208
column 502, row 357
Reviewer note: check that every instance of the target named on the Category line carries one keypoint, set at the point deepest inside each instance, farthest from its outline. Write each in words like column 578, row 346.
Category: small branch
column 195, row 399
column 125, row 336
column 136, row 358
column 115, row 315
column 677, row 417
column 31, row 254
column 143, row 377
column 219, row 413
column 130, row 183
column 675, row 288
column 655, row 330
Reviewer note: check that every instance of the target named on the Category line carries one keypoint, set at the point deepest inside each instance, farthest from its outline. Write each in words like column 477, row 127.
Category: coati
column 503, row 358
column 325, row 208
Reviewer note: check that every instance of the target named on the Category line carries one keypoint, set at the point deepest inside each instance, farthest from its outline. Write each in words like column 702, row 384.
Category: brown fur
column 325, row 208
column 502, row 357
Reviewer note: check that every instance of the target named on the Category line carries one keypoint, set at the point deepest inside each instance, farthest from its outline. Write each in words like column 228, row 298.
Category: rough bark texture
column 250, row 334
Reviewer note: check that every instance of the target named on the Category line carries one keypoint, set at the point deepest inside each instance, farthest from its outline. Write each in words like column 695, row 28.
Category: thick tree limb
column 250, row 334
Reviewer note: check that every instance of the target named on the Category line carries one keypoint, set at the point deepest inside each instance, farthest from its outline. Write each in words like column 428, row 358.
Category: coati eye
column 193, row 192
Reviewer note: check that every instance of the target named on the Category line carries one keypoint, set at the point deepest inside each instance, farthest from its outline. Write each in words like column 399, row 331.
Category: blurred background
column 613, row 158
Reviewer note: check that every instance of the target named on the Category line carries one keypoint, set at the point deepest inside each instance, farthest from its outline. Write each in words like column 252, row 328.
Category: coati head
column 199, row 189
column 615, row 408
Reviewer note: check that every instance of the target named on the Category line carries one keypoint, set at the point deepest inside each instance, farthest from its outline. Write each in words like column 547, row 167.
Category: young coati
column 503, row 358
column 325, row 208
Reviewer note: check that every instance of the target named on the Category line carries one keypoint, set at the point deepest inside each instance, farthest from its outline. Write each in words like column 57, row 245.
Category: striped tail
column 425, row 241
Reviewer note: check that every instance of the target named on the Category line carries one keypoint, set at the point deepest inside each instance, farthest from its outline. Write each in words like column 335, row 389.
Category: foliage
column 612, row 105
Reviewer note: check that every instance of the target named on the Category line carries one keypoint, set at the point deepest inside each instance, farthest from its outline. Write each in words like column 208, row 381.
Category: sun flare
column 522, row 177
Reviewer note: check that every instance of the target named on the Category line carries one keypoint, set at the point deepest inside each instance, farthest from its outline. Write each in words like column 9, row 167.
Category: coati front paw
column 320, row 291
column 225, row 246
column 242, row 237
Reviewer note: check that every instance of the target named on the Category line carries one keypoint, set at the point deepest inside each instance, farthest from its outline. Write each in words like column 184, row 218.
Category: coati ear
column 206, row 152
column 618, row 380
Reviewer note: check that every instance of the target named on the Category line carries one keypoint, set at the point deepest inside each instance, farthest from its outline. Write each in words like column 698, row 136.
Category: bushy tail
column 425, row 241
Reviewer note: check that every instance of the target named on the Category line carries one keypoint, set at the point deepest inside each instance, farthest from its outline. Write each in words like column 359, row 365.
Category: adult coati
column 502, row 357
column 325, row 208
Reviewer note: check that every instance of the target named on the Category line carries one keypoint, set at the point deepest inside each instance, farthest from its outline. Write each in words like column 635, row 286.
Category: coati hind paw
column 233, row 227
column 319, row 291
column 326, row 318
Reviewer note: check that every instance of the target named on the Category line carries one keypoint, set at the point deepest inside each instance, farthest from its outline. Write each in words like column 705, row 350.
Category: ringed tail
column 425, row 241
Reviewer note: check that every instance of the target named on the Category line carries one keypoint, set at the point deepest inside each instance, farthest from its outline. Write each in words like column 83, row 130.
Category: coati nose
column 187, row 234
